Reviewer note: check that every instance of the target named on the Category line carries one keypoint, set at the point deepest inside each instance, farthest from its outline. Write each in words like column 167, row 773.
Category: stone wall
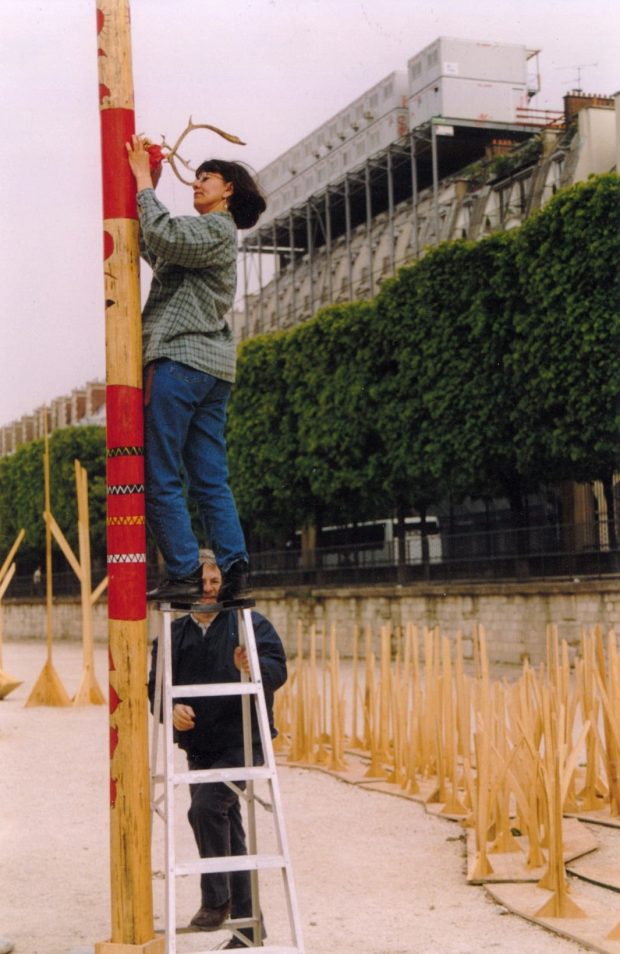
column 514, row 615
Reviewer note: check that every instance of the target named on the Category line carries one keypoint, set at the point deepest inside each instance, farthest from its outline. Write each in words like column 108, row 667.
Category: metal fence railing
column 555, row 550
column 533, row 552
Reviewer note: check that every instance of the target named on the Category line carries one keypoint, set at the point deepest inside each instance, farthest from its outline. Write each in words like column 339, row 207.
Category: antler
column 173, row 155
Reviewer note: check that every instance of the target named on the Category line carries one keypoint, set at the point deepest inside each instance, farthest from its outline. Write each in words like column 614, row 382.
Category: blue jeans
column 184, row 420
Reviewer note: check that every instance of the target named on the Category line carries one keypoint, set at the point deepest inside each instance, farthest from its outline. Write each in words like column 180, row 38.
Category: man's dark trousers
column 216, row 820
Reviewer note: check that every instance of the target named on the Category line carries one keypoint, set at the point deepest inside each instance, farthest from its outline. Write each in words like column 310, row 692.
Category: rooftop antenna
column 579, row 67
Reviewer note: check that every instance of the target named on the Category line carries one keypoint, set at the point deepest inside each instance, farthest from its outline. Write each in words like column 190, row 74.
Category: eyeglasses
column 205, row 176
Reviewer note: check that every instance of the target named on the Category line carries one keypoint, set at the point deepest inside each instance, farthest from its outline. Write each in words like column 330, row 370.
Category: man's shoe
column 178, row 588
column 234, row 581
column 211, row 919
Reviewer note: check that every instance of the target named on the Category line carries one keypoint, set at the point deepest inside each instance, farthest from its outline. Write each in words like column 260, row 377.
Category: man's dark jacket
column 198, row 658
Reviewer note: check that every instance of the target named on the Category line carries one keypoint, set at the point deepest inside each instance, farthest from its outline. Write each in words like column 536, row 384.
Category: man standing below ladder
column 210, row 730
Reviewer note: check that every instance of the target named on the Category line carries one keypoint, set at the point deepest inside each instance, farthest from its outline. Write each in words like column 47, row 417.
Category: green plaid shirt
column 194, row 262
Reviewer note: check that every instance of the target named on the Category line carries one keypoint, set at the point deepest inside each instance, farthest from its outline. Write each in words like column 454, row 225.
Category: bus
column 374, row 543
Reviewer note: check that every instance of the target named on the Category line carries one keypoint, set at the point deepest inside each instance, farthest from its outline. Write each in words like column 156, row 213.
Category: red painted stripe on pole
column 119, row 184
column 125, row 539
column 125, row 470
column 125, row 505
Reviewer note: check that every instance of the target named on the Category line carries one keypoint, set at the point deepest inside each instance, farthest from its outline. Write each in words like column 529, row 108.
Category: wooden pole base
column 615, row 934
column 89, row 691
column 156, row 946
column 48, row 690
column 560, row 905
column 8, row 683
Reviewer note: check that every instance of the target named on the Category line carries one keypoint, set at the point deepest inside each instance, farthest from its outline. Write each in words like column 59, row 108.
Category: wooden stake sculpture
column 611, row 701
column 453, row 804
column 88, row 691
column 482, row 799
column 48, row 690
column 337, row 761
column 8, row 683
column 413, row 741
column 297, row 750
column 131, row 892
column 594, row 791
column 557, row 770
column 609, row 691
column 355, row 741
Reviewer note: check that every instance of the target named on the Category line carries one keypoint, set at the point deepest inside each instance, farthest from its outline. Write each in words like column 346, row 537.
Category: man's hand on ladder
column 183, row 717
column 241, row 660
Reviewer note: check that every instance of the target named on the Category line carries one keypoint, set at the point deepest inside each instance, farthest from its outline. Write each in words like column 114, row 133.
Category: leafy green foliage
column 262, row 441
column 328, row 376
column 485, row 369
column 567, row 345
column 22, row 494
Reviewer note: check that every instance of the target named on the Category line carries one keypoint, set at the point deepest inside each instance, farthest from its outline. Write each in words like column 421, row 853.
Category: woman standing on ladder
column 189, row 367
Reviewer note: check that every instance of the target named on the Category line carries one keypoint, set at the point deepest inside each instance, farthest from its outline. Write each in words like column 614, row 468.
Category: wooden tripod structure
column 7, row 570
column 88, row 691
column 48, row 690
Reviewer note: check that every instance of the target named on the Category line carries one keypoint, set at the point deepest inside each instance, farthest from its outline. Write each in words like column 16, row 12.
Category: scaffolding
column 341, row 242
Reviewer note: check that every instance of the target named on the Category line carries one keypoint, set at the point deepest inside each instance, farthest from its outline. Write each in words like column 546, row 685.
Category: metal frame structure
column 327, row 226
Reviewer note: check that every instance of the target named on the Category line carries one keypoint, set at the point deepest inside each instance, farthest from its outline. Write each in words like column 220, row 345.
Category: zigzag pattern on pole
column 136, row 521
column 126, row 557
column 127, row 451
column 115, row 489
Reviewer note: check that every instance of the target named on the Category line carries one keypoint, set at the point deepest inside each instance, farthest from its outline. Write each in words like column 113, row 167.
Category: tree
column 329, row 373
column 22, row 492
column 262, row 441
column 565, row 356
column 403, row 342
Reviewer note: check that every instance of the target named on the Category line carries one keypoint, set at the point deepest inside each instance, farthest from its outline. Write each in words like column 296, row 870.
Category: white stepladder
column 250, row 689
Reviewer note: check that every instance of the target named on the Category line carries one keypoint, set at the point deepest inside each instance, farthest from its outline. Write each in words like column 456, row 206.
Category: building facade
column 83, row 406
column 447, row 149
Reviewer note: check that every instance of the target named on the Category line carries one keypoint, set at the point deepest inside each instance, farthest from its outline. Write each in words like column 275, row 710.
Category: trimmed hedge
column 485, row 369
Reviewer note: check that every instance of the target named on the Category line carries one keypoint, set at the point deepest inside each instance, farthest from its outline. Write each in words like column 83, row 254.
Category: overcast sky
column 268, row 70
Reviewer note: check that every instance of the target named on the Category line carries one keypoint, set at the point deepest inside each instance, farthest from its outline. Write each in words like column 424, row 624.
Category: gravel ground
column 375, row 874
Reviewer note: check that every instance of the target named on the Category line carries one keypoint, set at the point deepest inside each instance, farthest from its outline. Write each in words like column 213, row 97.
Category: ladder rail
column 171, row 943
column 274, row 790
column 157, row 704
column 253, row 679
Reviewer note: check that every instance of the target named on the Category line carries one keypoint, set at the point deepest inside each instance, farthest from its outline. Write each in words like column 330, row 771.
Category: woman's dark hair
column 246, row 203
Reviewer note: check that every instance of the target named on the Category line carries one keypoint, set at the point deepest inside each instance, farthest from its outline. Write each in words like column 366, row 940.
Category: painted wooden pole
column 130, row 856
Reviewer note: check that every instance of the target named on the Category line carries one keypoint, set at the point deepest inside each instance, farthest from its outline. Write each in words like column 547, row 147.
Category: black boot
column 234, row 581
column 179, row 588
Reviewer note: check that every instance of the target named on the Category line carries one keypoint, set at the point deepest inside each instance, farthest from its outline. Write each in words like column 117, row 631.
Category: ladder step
column 271, row 949
column 229, row 863
column 266, row 949
column 216, row 689
column 227, row 925
column 243, row 773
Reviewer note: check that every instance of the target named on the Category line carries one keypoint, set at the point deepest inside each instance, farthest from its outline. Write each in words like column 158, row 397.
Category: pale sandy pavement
column 375, row 874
